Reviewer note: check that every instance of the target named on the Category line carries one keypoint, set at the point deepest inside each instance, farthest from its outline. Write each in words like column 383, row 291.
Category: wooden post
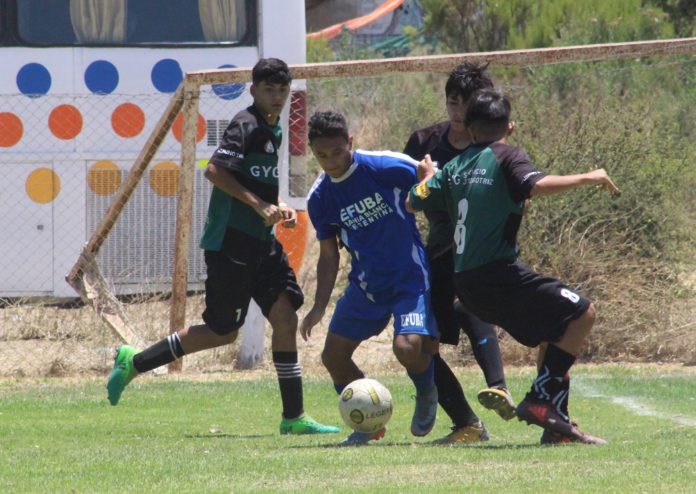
column 184, row 211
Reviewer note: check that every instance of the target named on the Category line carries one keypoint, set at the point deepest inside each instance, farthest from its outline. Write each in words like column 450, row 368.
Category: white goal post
column 186, row 99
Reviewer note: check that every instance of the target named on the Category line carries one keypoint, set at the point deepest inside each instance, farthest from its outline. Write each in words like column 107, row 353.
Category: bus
column 82, row 85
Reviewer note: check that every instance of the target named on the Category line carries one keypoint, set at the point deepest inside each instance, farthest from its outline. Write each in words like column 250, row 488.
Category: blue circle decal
column 166, row 75
column 228, row 91
column 101, row 77
column 33, row 80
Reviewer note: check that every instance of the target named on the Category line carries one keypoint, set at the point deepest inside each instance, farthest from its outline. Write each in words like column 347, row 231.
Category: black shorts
column 442, row 293
column 531, row 307
column 243, row 269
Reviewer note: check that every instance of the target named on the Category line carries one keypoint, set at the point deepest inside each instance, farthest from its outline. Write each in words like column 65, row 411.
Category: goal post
column 186, row 99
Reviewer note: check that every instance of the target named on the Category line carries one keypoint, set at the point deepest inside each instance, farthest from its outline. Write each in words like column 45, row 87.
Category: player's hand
column 601, row 178
column 270, row 213
column 512, row 125
column 289, row 215
column 425, row 169
column 310, row 320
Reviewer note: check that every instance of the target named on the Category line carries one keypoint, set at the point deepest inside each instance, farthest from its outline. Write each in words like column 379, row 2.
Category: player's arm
column 224, row 179
column 327, row 270
column 555, row 184
column 419, row 193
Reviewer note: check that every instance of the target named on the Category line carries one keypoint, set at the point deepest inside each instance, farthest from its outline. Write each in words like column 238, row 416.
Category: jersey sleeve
column 391, row 169
column 231, row 151
column 430, row 195
column 519, row 171
column 317, row 215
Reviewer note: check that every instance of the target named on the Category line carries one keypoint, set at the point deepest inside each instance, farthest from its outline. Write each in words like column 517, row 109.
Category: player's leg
column 355, row 319
column 226, row 301
column 279, row 296
column 450, row 393
column 484, row 344
column 500, row 293
column 415, row 334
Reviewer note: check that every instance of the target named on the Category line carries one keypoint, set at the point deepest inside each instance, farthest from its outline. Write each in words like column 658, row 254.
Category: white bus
column 82, row 84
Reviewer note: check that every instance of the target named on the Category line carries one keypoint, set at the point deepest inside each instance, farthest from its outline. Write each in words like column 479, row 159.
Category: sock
column 554, row 367
column 484, row 343
column 290, row 382
column 340, row 387
column 424, row 381
column 560, row 401
column 451, row 395
column 163, row 352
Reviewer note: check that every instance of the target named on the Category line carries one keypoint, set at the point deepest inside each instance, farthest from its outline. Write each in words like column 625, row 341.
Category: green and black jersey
column 249, row 149
column 434, row 141
column 483, row 190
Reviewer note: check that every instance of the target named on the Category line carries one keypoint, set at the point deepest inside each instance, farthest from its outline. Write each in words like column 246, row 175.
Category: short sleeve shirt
column 434, row 141
column 365, row 208
column 483, row 190
column 249, row 149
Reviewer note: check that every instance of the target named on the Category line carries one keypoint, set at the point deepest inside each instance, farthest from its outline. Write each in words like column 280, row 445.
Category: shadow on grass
column 225, row 435
column 390, row 444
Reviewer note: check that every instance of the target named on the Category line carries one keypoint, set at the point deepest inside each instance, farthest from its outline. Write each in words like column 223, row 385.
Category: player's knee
column 330, row 360
column 589, row 317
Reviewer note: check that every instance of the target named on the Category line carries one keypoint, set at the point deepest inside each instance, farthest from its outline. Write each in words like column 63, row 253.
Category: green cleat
column 304, row 424
column 122, row 373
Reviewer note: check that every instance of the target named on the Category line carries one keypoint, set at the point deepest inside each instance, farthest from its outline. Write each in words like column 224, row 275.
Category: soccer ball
column 365, row 405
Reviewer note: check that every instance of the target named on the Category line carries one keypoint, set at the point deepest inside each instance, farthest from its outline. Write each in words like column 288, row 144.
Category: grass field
column 220, row 435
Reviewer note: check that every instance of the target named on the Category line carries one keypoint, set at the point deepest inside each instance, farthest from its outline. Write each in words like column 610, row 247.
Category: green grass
column 172, row 435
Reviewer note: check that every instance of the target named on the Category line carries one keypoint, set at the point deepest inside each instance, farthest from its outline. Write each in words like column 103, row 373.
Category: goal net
column 576, row 108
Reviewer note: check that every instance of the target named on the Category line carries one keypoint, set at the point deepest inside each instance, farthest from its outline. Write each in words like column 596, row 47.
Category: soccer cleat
column 551, row 438
column 543, row 414
column 122, row 373
column 499, row 400
column 424, row 415
column 304, row 424
column 362, row 438
column 472, row 433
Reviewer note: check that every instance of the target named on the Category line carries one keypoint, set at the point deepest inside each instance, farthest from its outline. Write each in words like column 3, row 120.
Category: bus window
column 132, row 22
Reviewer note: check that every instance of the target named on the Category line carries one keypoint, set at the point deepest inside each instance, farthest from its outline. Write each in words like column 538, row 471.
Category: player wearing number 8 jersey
column 483, row 190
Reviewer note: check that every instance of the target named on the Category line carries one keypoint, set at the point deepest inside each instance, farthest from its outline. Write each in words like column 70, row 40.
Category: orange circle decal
column 164, row 179
column 11, row 129
column 104, row 177
column 128, row 120
column 43, row 185
column 65, row 121
column 178, row 127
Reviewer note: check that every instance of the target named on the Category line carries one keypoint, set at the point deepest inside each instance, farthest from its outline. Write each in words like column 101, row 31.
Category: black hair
column 327, row 124
column 272, row 71
column 467, row 78
column 488, row 112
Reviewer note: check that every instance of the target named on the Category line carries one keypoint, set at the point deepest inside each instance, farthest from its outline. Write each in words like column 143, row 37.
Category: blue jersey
column 365, row 209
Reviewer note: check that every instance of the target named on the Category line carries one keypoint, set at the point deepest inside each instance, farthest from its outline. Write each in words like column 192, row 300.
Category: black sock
column 554, row 367
column 290, row 382
column 451, row 395
column 561, row 399
column 163, row 352
column 484, row 343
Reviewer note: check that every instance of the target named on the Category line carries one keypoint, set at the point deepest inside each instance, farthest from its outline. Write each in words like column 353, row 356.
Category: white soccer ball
column 365, row 405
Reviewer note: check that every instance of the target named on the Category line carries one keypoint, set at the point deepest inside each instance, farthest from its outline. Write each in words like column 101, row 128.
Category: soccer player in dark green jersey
column 483, row 190
column 443, row 142
column 243, row 258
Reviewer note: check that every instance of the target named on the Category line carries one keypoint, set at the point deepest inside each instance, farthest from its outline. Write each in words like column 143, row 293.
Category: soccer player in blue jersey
column 358, row 202
column 244, row 260
column 483, row 190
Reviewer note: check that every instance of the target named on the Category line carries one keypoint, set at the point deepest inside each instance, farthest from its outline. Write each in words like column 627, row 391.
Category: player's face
column 270, row 99
column 456, row 109
column 333, row 154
